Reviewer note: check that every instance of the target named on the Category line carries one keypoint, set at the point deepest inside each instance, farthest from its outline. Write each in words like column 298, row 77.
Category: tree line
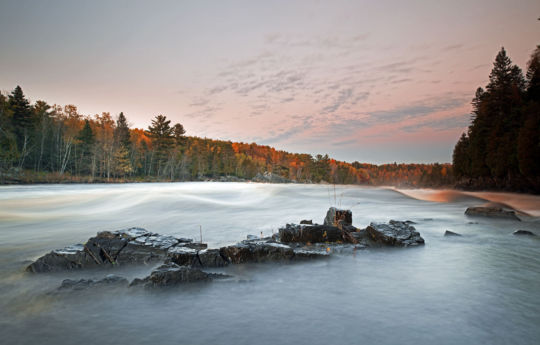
column 44, row 143
column 501, row 148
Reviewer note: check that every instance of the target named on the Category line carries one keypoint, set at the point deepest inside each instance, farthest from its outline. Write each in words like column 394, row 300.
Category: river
column 481, row 288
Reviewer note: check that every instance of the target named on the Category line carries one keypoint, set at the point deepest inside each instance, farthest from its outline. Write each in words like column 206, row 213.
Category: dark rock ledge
column 184, row 261
column 492, row 212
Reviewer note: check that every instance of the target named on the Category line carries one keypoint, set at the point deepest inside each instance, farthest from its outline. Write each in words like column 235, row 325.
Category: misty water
column 481, row 288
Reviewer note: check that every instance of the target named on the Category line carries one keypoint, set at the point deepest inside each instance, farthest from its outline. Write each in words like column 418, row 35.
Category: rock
column 183, row 256
column 337, row 217
column 523, row 233
column 211, row 258
column 492, row 212
column 310, row 222
column 110, row 280
column 69, row 258
column 395, row 233
column 310, row 233
column 450, row 233
column 254, row 252
column 127, row 246
column 171, row 274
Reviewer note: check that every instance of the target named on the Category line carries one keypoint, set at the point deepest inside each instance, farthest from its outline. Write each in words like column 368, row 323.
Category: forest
column 501, row 148
column 42, row 143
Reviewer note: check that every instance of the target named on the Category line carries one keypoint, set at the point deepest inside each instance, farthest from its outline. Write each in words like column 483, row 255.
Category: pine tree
column 121, row 132
column 21, row 118
column 533, row 76
column 8, row 140
column 122, row 138
column 86, row 140
column 178, row 133
column 161, row 134
column 461, row 160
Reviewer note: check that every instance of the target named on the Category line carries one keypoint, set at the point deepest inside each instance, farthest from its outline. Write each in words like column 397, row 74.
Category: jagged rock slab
column 448, row 233
column 211, row 258
column 395, row 233
column 310, row 233
column 183, row 256
column 256, row 252
column 491, row 212
column 171, row 274
column 133, row 245
column 110, row 280
column 69, row 258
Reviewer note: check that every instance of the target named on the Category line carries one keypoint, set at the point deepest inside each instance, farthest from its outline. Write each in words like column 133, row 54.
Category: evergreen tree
column 122, row 138
column 161, row 134
column 8, row 140
column 21, row 118
column 178, row 133
column 533, row 76
column 86, row 140
column 460, row 159
column 121, row 132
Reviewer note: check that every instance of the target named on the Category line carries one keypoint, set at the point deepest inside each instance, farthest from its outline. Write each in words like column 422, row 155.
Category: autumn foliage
column 44, row 139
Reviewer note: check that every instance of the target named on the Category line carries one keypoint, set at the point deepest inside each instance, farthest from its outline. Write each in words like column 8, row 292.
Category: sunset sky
column 372, row 81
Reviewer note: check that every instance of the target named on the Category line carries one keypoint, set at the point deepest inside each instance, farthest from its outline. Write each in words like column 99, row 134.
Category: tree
column 533, row 76
column 178, row 133
column 22, row 122
column 86, row 140
column 22, row 113
column 8, row 140
column 43, row 115
column 121, row 132
column 122, row 149
column 161, row 134
column 460, row 159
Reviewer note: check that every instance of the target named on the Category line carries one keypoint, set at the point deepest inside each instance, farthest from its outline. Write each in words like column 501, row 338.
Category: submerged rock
column 110, row 280
column 523, row 233
column 451, row 233
column 492, row 212
column 171, row 274
column 395, row 233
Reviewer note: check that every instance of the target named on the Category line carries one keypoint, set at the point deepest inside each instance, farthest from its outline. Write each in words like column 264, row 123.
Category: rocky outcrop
column 448, row 233
column 110, row 280
column 523, row 233
column 256, row 252
column 492, row 212
column 133, row 245
column 395, row 233
column 184, row 261
column 310, row 233
column 171, row 274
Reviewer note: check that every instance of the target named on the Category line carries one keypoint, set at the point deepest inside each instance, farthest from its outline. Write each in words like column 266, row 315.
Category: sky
column 369, row 81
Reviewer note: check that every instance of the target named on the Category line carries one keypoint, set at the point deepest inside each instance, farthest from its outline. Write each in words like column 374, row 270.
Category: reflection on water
column 523, row 203
column 483, row 287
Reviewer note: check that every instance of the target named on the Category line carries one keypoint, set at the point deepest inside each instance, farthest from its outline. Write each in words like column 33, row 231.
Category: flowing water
column 481, row 288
